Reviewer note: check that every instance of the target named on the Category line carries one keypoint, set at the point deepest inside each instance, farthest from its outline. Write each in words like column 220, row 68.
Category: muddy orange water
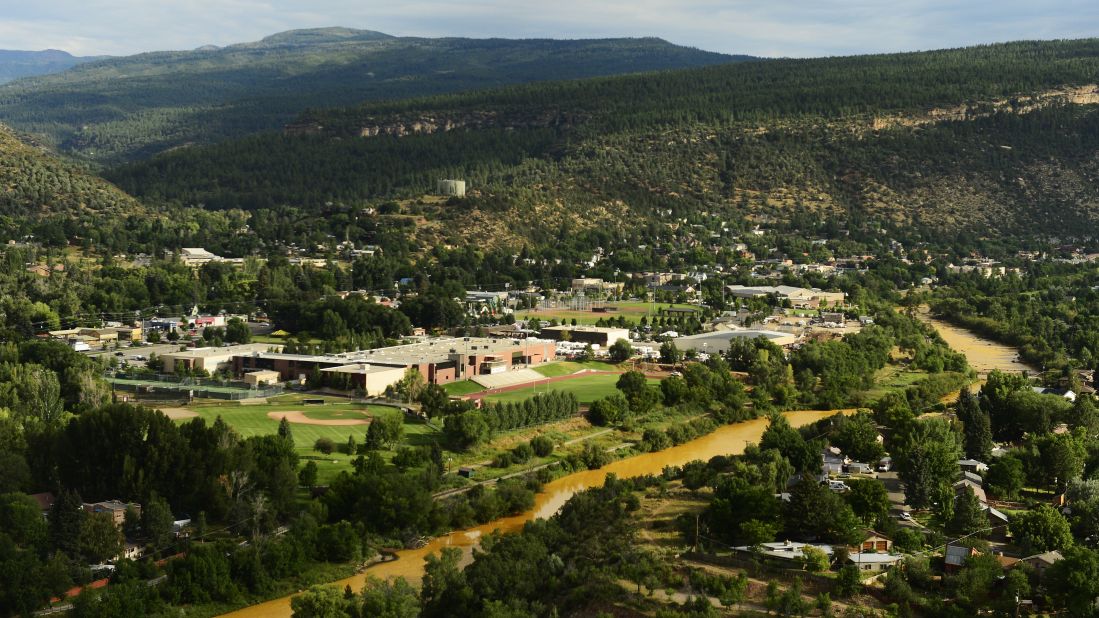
column 983, row 355
column 727, row 440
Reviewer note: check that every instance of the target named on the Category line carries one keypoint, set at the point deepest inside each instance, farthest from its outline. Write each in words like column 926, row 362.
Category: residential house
column 115, row 508
column 962, row 485
column 873, row 542
column 1041, row 562
column 956, row 555
column 972, row 465
column 789, row 552
column 1060, row 392
column 874, row 562
column 45, row 502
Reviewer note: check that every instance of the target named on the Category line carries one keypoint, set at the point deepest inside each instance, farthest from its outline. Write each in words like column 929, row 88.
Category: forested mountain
column 37, row 187
column 999, row 138
column 126, row 108
column 16, row 63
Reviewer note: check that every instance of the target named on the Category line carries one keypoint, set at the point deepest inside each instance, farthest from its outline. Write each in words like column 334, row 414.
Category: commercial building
column 596, row 285
column 208, row 359
column 372, row 379
column 263, row 377
column 440, row 361
column 718, row 341
column 800, row 298
column 595, row 335
column 197, row 256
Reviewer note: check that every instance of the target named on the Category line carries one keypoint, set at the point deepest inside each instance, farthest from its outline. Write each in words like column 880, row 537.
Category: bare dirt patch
column 178, row 413
column 299, row 417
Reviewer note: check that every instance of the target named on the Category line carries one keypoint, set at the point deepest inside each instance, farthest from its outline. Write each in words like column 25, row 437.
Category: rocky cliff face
column 436, row 123
column 1083, row 95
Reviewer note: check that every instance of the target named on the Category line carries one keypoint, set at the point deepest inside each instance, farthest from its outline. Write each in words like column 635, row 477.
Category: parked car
column 905, row 515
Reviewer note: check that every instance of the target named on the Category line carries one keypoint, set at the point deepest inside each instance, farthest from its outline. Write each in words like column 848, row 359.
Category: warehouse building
column 440, row 361
column 595, row 335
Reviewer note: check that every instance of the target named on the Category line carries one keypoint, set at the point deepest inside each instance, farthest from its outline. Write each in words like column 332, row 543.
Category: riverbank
column 983, row 355
column 727, row 440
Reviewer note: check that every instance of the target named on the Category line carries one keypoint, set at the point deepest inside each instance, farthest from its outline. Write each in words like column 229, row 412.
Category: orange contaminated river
column 727, row 440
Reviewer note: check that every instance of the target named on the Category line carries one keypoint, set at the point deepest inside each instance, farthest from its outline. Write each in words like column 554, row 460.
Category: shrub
column 542, row 446
column 522, row 453
column 324, row 445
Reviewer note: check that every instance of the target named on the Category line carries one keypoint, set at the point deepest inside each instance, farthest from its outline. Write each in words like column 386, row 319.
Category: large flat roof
column 233, row 350
column 719, row 340
column 429, row 351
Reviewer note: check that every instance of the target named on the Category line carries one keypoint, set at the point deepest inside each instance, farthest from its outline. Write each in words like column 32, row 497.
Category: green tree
column 321, row 602
column 1073, row 582
column 927, row 461
column 815, row 559
column 237, row 331
column 1041, row 529
column 848, row 581
column 307, row 476
column 857, row 436
column 285, row 432
column 620, row 351
column 390, row 599
column 819, row 512
column 868, row 499
column 640, row 396
column 100, row 539
column 541, row 445
column 445, row 591
column 1005, row 477
column 66, row 520
column 670, row 354
column 609, row 410
column 156, row 521
column 969, row 514
column 977, row 426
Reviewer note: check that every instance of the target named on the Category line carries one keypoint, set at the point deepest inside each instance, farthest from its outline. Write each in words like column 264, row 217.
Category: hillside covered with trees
column 39, row 192
column 135, row 106
column 1000, row 136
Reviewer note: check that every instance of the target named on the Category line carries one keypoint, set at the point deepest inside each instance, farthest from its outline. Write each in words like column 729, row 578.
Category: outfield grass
column 564, row 368
column 586, row 388
column 252, row 420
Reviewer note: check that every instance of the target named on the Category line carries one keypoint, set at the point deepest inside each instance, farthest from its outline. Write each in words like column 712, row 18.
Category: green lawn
column 253, row 421
column 893, row 377
column 462, row 387
column 627, row 309
column 564, row 368
column 586, row 388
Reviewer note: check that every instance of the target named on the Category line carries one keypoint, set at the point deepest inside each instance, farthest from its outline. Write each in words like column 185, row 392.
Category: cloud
column 760, row 27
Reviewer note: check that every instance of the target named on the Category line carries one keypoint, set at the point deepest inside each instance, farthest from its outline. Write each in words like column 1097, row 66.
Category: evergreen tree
column 978, row 428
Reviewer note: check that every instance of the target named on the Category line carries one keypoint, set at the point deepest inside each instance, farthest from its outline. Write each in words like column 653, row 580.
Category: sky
column 795, row 28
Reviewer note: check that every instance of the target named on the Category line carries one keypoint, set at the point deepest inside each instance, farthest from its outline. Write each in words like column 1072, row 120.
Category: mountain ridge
column 849, row 139
column 17, row 64
column 122, row 109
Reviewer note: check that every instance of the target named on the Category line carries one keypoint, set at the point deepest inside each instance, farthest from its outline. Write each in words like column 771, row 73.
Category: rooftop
column 223, row 351
column 429, row 351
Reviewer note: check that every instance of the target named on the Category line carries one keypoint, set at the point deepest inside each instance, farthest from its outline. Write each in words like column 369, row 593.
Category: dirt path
column 178, row 413
column 300, row 418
